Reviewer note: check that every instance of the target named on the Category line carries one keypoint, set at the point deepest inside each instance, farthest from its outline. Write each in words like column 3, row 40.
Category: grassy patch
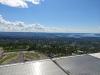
column 31, row 56
column 7, row 58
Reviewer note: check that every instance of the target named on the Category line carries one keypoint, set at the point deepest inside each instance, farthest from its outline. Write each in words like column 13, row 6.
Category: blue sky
column 72, row 15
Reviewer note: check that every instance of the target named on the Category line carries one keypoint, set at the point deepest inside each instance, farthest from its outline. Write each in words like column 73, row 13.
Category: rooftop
column 73, row 65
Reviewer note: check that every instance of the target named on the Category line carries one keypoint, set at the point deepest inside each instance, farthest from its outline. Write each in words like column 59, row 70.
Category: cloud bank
column 19, row 26
column 7, row 26
column 19, row 3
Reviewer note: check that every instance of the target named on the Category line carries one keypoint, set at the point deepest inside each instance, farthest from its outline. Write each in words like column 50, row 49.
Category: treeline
column 53, row 47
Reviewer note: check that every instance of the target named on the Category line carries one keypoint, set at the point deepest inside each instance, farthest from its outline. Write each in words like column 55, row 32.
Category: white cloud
column 19, row 3
column 34, row 1
column 7, row 26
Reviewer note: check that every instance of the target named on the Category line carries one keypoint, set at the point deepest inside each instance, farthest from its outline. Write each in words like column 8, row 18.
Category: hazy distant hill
column 45, row 35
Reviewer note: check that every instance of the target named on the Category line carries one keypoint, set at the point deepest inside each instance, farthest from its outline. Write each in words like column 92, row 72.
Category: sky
column 68, row 16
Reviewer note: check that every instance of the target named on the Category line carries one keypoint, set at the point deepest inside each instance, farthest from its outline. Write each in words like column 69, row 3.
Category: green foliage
column 52, row 47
